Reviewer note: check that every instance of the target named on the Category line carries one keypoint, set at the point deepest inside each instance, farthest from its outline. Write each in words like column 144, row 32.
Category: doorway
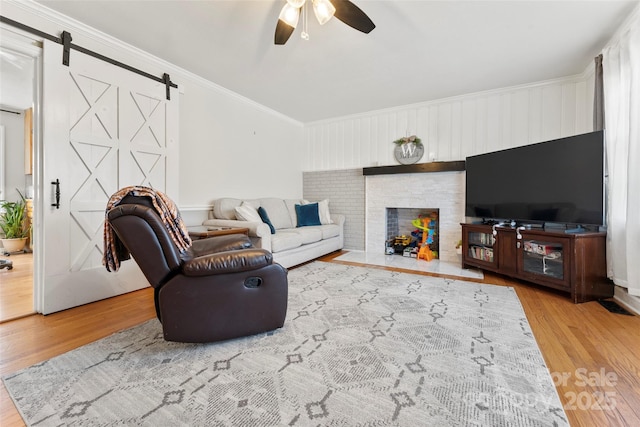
column 19, row 88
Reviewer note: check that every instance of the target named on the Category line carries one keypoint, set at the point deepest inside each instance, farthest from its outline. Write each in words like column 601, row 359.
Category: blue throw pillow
column 307, row 215
column 265, row 218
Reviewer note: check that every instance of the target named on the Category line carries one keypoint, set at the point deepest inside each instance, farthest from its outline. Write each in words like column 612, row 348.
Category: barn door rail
column 65, row 41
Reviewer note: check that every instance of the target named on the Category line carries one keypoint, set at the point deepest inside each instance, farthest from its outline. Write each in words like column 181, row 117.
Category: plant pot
column 14, row 245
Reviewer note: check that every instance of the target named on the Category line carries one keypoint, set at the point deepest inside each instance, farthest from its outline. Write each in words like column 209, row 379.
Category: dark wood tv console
column 570, row 262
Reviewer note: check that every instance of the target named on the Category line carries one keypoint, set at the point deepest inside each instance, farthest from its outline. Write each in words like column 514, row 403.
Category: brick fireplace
column 441, row 191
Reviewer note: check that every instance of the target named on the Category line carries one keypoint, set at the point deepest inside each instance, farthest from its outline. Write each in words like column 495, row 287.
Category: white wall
column 232, row 148
column 229, row 145
column 454, row 128
column 14, row 155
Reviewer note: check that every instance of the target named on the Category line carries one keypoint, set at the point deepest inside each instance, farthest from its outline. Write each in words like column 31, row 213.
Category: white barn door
column 104, row 128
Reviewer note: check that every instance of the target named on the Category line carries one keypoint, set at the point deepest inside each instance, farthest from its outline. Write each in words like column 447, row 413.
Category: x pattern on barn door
column 118, row 138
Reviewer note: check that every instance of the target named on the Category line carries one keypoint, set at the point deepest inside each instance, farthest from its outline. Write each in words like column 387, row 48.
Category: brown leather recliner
column 219, row 288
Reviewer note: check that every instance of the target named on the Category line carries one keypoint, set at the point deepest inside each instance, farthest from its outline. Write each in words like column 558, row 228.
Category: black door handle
column 57, row 184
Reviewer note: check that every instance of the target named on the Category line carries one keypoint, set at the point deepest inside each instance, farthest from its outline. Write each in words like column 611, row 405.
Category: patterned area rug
column 360, row 347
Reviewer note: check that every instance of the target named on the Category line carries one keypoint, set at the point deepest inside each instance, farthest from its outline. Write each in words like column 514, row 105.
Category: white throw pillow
column 323, row 212
column 246, row 212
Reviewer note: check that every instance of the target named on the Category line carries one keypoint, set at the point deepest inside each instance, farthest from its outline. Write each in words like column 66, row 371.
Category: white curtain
column 621, row 75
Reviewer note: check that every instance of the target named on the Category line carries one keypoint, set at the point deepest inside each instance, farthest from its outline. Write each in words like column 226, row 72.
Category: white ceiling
column 419, row 51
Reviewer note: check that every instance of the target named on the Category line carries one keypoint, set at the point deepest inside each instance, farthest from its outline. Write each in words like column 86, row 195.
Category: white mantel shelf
column 458, row 165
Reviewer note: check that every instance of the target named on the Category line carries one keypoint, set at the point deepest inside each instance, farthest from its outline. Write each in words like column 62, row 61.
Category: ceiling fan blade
column 353, row 16
column 283, row 32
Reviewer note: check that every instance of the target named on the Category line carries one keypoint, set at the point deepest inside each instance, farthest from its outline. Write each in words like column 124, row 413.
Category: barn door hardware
column 66, row 47
column 57, row 184
column 65, row 41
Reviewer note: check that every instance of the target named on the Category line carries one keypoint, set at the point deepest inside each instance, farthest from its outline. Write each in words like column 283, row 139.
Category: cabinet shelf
column 481, row 252
column 573, row 263
column 481, row 239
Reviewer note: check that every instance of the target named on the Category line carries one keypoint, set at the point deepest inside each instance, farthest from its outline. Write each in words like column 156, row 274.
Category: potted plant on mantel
column 13, row 222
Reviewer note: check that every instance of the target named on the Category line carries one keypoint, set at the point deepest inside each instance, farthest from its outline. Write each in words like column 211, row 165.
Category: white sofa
column 291, row 245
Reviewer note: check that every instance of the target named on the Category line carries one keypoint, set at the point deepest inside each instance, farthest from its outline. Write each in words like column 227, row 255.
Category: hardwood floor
column 592, row 354
column 16, row 287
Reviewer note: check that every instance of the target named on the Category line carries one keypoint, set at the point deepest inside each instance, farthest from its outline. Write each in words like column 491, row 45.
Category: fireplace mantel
column 457, row 165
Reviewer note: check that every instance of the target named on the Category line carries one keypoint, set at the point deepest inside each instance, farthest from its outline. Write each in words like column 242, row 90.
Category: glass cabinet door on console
column 478, row 247
column 481, row 246
column 545, row 258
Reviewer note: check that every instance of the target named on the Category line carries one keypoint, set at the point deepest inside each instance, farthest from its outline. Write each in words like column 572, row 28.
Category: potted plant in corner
column 13, row 222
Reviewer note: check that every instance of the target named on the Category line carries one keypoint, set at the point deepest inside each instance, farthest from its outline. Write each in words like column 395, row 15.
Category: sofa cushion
column 278, row 213
column 291, row 207
column 285, row 239
column 255, row 203
column 328, row 231
column 307, row 215
column 265, row 218
column 226, row 208
column 308, row 234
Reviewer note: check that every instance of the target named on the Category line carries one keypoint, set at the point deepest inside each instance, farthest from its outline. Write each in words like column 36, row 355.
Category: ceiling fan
column 344, row 10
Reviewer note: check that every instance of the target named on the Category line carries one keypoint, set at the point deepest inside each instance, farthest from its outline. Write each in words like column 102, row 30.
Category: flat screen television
column 560, row 181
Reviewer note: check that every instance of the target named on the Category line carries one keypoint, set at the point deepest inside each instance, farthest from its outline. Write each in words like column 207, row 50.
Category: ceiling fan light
column 324, row 10
column 296, row 3
column 289, row 15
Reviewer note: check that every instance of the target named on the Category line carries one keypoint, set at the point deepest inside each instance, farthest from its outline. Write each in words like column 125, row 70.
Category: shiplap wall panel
column 581, row 99
column 432, row 132
column 551, row 112
column 481, row 141
column 452, row 129
column 520, row 118
column 568, row 124
column 468, row 127
column 534, row 114
column 494, row 121
column 505, row 112
column 443, row 140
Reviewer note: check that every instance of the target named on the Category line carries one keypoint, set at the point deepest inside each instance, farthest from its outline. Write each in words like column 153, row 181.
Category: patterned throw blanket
column 114, row 250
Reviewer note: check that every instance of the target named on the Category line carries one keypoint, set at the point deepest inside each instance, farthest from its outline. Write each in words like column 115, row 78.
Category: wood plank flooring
column 593, row 355
column 16, row 287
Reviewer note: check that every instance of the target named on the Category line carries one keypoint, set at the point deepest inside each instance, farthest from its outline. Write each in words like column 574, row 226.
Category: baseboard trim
column 631, row 303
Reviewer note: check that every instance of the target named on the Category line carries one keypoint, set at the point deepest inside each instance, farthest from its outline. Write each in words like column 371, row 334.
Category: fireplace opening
column 413, row 232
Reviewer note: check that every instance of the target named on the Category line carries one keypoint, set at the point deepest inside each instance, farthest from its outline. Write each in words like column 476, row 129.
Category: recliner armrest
column 227, row 262
column 211, row 245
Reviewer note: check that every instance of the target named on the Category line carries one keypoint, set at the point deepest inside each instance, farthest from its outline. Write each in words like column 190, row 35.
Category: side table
column 203, row 231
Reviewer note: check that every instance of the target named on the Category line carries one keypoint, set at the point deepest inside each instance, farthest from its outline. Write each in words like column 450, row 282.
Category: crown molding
column 633, row 20
column 73, row 25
